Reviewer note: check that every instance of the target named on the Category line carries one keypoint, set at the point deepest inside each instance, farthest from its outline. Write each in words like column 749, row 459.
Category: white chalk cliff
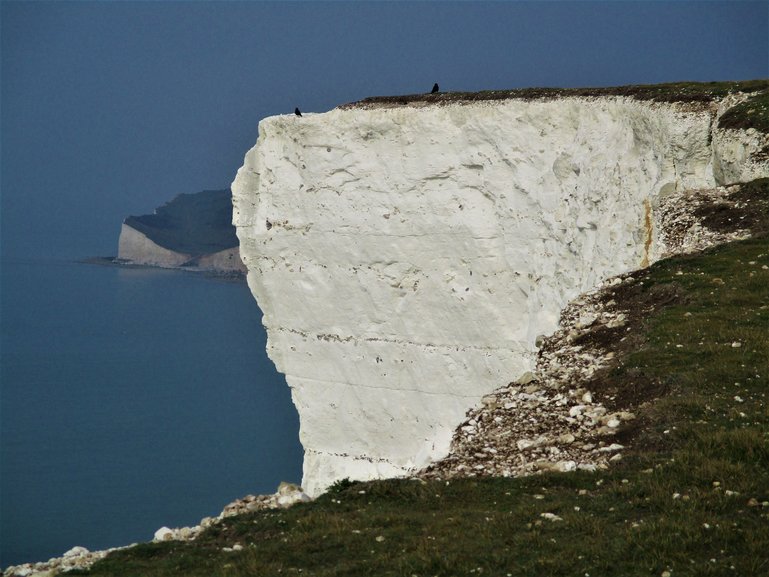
column 135, row 247
column 192, row 231
column 407, row 257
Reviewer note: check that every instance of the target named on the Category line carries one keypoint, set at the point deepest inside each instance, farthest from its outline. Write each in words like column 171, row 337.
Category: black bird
column 435, row 88
column 297, row 112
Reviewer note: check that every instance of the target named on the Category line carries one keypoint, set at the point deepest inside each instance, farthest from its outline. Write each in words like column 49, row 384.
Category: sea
column 131, row 399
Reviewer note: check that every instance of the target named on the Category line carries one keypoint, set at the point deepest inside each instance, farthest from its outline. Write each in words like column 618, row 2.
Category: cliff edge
column 407, row 253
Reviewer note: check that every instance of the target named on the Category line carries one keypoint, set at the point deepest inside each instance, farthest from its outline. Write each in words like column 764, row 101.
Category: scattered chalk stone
column 76, row 552
column 81, row 558
column 611, row 448
column 164, row 534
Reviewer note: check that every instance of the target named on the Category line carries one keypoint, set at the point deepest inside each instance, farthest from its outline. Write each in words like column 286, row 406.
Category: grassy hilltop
column 689, row 498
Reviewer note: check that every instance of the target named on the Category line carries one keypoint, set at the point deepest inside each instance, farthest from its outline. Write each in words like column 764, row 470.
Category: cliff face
column 406, row 258
column 137, row 248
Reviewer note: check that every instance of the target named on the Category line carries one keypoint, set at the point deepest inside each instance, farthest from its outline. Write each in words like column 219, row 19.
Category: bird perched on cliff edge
column 297, row 112
column 435, row 88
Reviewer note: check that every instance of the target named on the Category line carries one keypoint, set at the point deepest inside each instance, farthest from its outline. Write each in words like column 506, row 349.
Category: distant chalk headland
column 191, row 232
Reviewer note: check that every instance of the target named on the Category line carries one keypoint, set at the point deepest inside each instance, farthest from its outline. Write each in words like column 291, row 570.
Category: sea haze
column 131, row 399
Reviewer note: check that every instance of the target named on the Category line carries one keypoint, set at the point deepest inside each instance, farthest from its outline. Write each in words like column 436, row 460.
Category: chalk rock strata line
column 355, row 341
column 408, row 390
column 469, row 225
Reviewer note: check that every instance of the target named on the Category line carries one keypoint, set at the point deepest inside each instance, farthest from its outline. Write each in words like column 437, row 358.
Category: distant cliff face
column 407, row 257
column 192, row 230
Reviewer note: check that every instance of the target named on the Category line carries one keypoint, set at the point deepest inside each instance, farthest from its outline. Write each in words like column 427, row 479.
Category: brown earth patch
column 603, row 337
column 748, row 208
column 632, row 388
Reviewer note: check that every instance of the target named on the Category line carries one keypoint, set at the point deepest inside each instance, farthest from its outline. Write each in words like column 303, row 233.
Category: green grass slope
column 690, row 497
column 193, row 224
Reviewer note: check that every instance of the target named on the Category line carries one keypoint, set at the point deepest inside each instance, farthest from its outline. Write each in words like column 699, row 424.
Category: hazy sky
column 112, row 108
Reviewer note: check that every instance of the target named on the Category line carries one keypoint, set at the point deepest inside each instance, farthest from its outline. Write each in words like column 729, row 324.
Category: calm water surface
column 131, row 399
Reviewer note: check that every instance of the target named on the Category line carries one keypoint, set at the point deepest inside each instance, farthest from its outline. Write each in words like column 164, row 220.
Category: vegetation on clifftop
column 753, row 113
column 692, row 92
column 690, row 497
